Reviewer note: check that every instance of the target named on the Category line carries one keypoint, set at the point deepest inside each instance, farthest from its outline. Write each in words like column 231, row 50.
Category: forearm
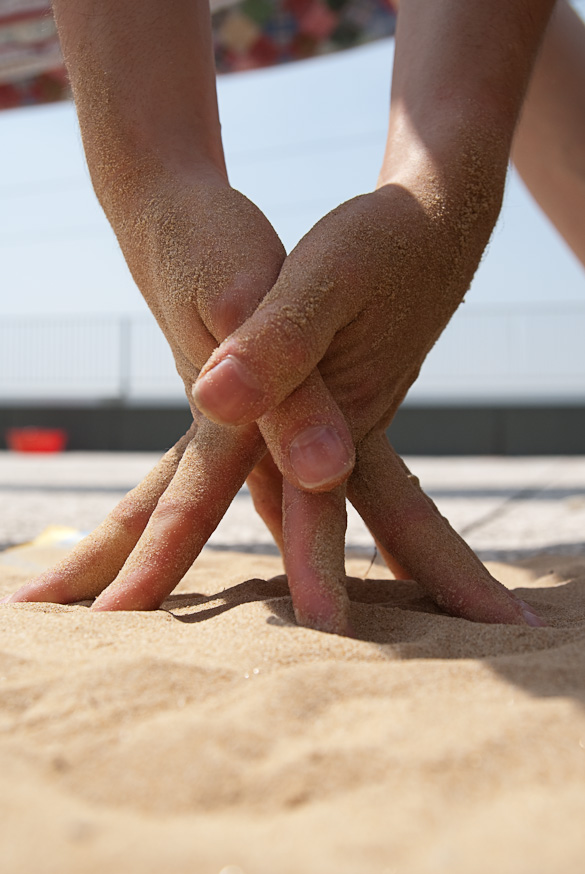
column 549, row 145
column 143, row 79
column 461, row 69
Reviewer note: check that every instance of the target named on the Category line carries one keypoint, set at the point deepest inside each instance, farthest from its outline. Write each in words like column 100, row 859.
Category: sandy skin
column 343, row 324
column 141, row 552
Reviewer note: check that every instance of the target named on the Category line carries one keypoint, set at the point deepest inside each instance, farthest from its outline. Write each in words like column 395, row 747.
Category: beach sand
column 215, row 735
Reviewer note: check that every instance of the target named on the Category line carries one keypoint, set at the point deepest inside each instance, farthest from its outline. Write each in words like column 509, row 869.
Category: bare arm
column 549, row 146
column 460, row 75
column 202, row 255
column 374, row 283
column 356, row 297
column 461, row 70
column 143, row 79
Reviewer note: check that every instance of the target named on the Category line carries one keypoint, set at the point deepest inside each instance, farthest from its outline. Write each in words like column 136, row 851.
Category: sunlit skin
column 549, row 145
column 321, row 346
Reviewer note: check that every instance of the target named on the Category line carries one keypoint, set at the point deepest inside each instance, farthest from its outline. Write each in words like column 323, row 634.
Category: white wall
column 299, row 140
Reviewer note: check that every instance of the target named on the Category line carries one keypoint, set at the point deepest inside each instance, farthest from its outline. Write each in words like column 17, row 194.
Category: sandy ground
column 216, row 737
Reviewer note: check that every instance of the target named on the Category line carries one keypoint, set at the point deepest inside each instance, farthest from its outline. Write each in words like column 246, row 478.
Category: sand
column 214, row 735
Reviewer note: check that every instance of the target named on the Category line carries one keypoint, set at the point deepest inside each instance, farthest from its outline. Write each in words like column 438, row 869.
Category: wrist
column 125, row 182
column 456, row 166
column 458, row 83
column 446, row 144
column 456, row 175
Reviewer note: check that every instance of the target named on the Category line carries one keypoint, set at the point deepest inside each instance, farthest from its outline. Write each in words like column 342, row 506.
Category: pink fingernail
column 227, row 391
column 318, row 456
column 530, row 616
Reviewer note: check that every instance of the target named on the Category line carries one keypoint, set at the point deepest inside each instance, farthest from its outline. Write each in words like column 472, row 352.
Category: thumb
column 266, row 370
column 274, row 350
column 308, row 437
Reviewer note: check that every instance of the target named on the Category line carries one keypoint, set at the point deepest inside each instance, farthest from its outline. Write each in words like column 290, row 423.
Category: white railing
column 86, row 358
column 504, row 353
column 487, row 354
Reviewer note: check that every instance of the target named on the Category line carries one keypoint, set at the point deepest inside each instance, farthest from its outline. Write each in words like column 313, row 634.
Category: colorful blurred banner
column 259, row 33
column 31, row 67
column 247, row 35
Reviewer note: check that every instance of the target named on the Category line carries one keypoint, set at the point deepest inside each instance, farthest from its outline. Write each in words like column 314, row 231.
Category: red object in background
column 36, row 439
column 264, row 53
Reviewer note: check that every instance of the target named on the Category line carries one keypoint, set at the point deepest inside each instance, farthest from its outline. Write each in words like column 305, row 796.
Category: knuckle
column 228, row 311
column 131, row 517
column 173, row 513
column 294, row 335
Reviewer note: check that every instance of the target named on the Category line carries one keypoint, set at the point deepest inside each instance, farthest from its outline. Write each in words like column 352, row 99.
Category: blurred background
column 79, row 350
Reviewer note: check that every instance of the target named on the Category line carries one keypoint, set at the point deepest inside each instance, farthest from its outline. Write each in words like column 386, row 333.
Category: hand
column 203, row 256
column 372, row 285
column 94, row 563
column 404, row 522
column 135, row 107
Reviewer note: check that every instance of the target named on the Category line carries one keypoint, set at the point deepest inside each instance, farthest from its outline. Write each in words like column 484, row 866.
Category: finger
column 409, row 526
column 98, row 558
column 213, row 467
column 399, row 571
column 306, row 434
column 309, row 439
column 265, row 484
column 314, row 547
column 281, row 343
column 218, row 279
column 267, row 365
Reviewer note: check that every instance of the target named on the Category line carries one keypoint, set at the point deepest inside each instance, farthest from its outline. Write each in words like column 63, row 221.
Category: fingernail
column 6, row 599
column 530, row 616
column 318, row 456
column 227, row 391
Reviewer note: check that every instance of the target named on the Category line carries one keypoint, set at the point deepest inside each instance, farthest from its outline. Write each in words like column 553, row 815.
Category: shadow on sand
column 403, row 623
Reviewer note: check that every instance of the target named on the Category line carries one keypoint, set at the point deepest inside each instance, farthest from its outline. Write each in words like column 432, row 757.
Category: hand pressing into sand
column 203, row 257
column 363, row 296
column 367, row 291
column 142, row 550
